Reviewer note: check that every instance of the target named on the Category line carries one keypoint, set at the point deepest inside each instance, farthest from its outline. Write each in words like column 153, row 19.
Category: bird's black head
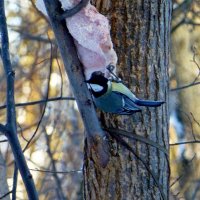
column 97, row 78
column 98, row 83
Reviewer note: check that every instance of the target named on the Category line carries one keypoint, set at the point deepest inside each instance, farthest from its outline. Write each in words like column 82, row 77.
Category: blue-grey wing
column 129, row 107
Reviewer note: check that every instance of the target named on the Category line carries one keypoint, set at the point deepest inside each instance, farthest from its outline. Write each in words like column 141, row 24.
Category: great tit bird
column 114, row 97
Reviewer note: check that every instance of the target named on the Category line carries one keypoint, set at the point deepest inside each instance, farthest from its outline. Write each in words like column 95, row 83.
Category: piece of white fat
column 91, row 33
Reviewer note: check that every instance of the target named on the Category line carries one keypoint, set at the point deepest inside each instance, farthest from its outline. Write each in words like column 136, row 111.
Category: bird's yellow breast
column 121, row 88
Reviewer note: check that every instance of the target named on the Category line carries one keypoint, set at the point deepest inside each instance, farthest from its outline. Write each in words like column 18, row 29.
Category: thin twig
column 59, row 190
column 56, row 172
column 2, row 141
column 21, row 131
column 40, row 13
column 28, row 36
column 195, row 62
column 190, row 121
column 127, row 146
column 73, row 11
column 43, row 101
column 139, row 138
column 15, row 177
column 5, row 195
column 47, row 96
column 196, row 191
column 184, row 87
column 11, row 134
column 183, row 173
column 60, row 71
column 194, row 119
column 194, row 82
column 186, row 142
column 176, row 180
column 3, row 129
column 182, row 7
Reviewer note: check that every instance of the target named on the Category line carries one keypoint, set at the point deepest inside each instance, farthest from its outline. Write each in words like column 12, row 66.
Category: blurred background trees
column 49, row 119
column 54, row 128
column 185, row 104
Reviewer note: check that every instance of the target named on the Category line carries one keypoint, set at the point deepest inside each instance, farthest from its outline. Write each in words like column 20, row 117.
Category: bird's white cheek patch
column 96, row 88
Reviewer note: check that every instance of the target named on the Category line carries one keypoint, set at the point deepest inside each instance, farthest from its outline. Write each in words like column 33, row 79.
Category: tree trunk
column 140, row 32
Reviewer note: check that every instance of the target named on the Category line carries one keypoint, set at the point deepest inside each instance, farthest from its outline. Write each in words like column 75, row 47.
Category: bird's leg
column 115, row 78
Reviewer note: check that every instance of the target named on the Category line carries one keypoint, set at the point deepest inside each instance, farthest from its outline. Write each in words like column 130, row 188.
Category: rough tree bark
column 140, row 32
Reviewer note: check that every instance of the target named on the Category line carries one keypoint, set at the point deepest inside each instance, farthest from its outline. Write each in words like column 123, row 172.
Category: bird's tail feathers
column 148, row 103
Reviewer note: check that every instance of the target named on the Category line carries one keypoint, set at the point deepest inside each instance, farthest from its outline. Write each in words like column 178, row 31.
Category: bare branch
column 28, row 36
column 176, row 180
column 5, row 195
column 196, row 63
column 194, row 82
column 59, row 190
column 182, row 7
column 59, row 67
column 21, row 131
column 56, row 172
column 175, row 27
column 186, row 142
column 190, row 122
column 128, row 147
column 40, row 13
column 138, row 138
column 73, row 11
column 3, row 129
column 183, row 173
column 2, row 141
column 43, row 101
column 182, row 22
column 195, row 119
column 95, row 135
column 196, row 190
column 185, row 86
column 47, row 96
column 15, row 177
column 11, row 115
